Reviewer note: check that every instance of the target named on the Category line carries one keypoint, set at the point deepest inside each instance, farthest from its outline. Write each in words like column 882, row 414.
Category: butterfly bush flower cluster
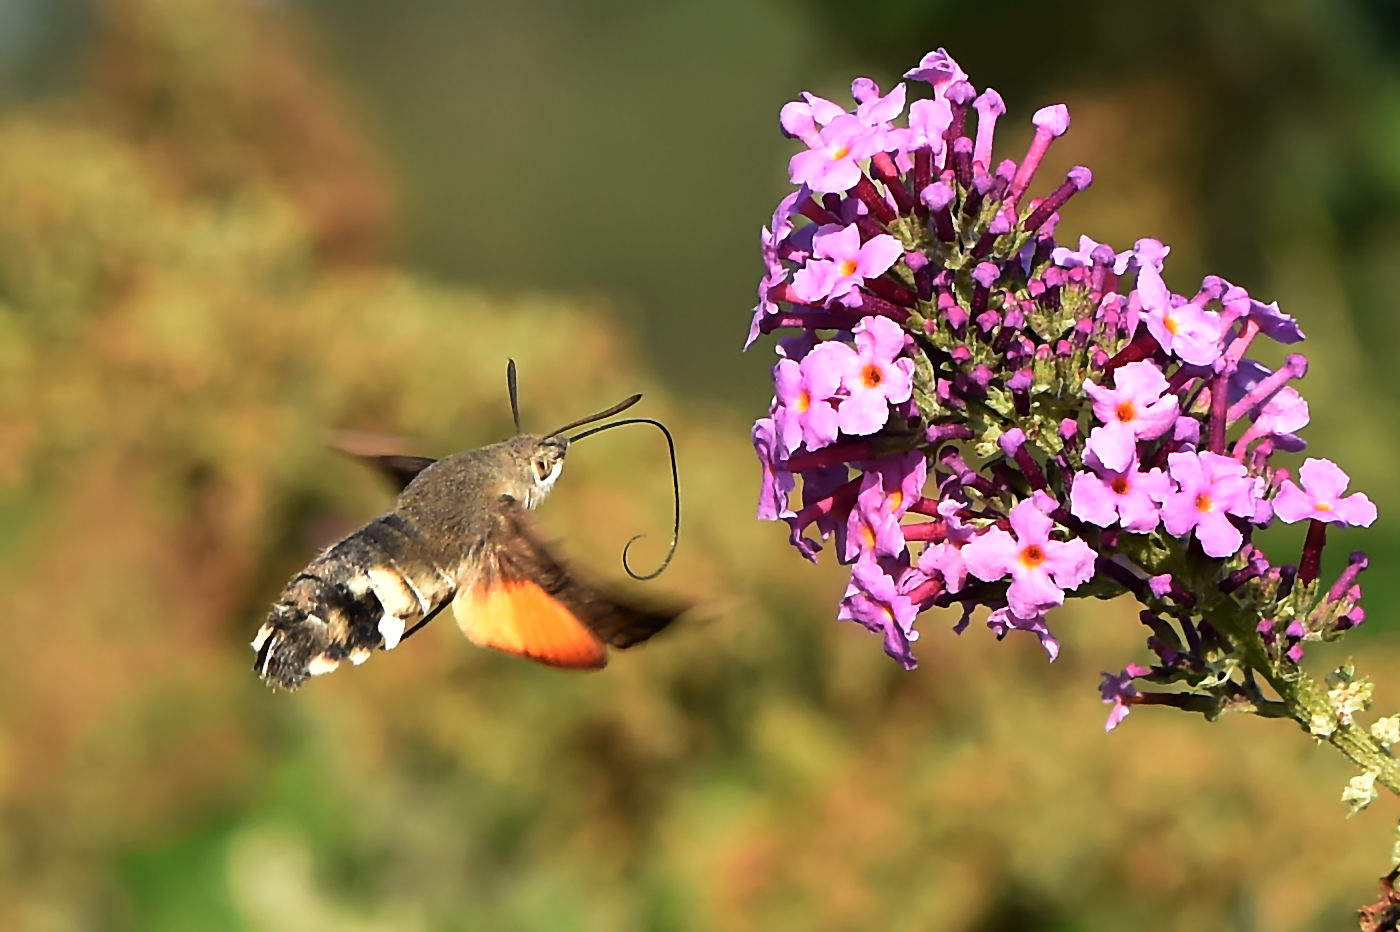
column 970, row 414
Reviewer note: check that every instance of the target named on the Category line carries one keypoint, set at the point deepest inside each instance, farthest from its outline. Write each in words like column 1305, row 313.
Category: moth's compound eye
column 542, row 469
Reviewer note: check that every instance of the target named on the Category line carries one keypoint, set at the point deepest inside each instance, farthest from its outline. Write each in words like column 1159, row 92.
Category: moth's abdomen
column 359, row 595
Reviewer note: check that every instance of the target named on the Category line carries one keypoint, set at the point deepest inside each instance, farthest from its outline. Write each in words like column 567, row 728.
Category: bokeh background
column 228, row 228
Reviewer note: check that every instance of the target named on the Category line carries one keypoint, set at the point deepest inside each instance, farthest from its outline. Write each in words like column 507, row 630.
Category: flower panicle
column 975, row 414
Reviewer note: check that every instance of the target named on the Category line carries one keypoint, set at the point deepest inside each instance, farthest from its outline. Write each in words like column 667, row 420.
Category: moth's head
column 537, row 462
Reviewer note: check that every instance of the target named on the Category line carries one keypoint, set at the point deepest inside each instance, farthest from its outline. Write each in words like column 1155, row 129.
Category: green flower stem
column 1304, row 698
column 1301, row 698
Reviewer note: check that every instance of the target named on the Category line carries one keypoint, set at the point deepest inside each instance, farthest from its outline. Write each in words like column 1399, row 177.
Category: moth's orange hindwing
column 520, row 618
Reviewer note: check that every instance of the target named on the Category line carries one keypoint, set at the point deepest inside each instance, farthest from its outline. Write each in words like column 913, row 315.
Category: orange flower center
column 804, row 401
column 1120, row 485
column 1322, row 506
column 1032, row 556
column 1126, row 412
column 840, row 152
column 871, row 376
column 1170, row 323
column 1203, row 502
column 848, row 267
column 896, row 499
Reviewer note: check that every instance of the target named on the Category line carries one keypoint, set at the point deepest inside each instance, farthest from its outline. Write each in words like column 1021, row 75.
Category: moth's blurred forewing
column 382, row 452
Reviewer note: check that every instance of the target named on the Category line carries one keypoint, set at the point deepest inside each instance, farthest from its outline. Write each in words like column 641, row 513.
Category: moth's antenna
column 514, row 394
column 675, row 480
column 621, row 406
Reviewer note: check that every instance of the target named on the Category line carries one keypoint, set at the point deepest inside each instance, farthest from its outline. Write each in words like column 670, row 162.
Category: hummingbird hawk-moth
column 460, row 533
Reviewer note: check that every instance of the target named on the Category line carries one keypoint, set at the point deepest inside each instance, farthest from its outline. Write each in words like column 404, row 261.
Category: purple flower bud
column 954, row 313
column 1078, row 179
column 1050, row 122
column 989, row 106
column 962, row 160
column 936, row 197
column 941, row 433
column 959, row 95
column 1355, row 564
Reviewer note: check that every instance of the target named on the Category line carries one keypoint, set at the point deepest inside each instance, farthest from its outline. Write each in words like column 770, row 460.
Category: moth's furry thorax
column 525, row 468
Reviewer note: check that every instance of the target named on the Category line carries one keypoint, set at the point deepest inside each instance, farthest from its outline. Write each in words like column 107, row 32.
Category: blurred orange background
column 230, row 228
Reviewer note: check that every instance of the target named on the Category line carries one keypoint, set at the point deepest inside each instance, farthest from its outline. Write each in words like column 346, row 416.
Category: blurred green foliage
column 194, row 292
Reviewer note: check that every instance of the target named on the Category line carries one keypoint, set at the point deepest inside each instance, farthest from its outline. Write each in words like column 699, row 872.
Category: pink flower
column 1212, row 487
column 1128, row 497
column 831, row 166
column 1004, row 619
column 1041, row 568
column 819, row 484
column 873, row 599
column 1324, row 483
column 901, row 479
column 801, row 118
column 774, row 239
column 873, row 525
column 777, row 481
column 875, row 379
column 765, row 305
column 876, row 112
column 938, row 69
column 889, row 487
column 944, row 559
column 1186, row 331
column 1117, row 690
column 1134, row 410
column 806, row 395
column 840, row 263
